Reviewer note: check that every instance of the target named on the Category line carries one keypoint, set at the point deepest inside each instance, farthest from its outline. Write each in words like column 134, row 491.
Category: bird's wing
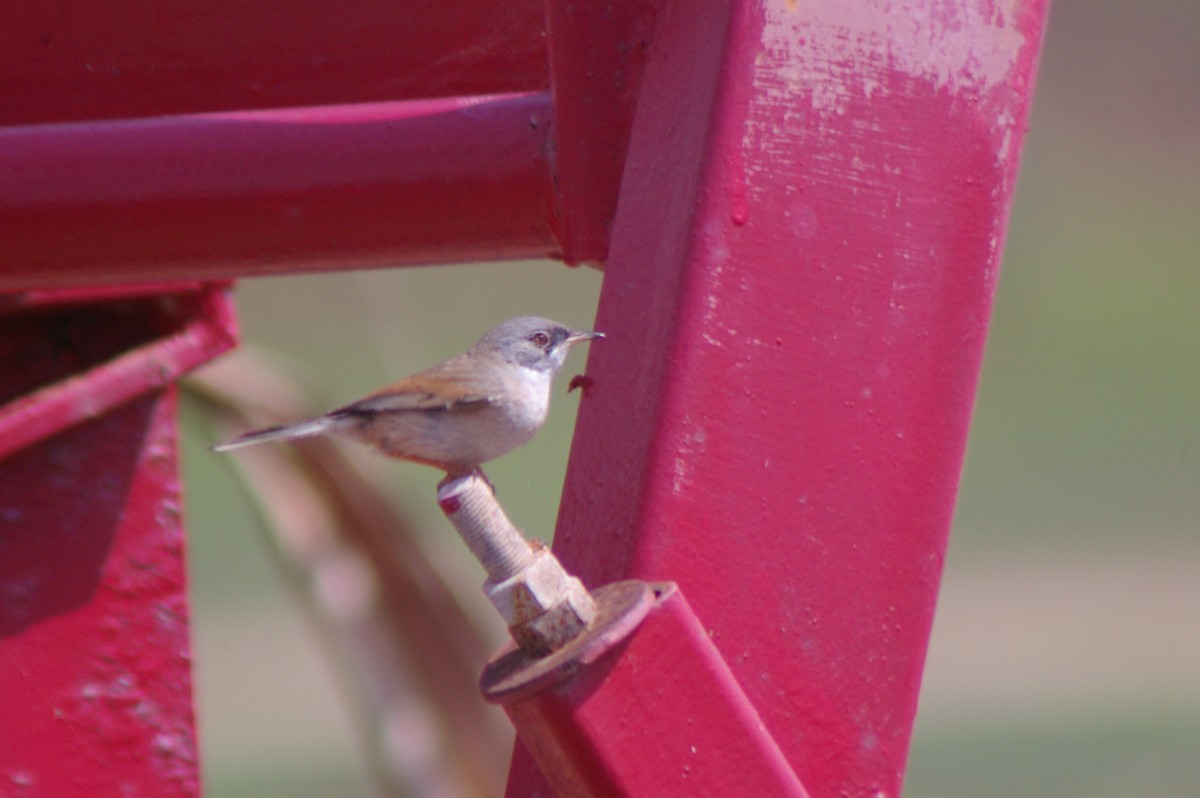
column 452, row 385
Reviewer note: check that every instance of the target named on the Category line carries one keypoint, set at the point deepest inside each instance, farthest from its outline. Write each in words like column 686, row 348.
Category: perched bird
column 460, row 413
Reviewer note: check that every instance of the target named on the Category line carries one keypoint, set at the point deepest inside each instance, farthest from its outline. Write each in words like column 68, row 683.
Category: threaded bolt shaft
column 470, row 504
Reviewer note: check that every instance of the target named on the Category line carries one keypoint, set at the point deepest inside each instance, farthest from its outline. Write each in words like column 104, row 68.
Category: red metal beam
column 74, row 60
column 796, row 298
column 800, row 275
column 607, row 731
column 595, row 88
column 261, row 192
column 94, row 651
column 191, row 325
column 93, row 606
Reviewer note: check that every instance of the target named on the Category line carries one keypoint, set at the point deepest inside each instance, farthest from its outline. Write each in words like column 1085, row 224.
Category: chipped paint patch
column 965, row 46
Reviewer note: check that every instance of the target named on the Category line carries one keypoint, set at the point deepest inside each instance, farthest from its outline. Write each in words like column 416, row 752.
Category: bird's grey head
column 538, row 344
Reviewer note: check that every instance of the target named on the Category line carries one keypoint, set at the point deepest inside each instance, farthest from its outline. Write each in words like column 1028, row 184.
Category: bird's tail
column 284, row 432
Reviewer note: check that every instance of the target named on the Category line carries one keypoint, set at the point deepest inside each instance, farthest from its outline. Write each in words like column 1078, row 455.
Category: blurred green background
column 1066, row 652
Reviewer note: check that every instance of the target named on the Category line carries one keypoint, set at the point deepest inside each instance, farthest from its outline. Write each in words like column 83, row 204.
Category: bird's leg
column 483, row 476
column 453, row 475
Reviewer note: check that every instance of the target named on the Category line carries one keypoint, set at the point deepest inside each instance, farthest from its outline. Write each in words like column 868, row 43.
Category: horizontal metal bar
column 221, row 195
column 72, row 61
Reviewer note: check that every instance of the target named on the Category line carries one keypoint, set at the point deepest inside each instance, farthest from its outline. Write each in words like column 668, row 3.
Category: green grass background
column 1066, row 654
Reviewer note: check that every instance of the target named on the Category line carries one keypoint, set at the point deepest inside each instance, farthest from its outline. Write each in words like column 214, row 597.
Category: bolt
column 544, row 606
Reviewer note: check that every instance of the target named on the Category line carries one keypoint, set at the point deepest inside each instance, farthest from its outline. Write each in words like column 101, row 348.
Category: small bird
column 460, row 413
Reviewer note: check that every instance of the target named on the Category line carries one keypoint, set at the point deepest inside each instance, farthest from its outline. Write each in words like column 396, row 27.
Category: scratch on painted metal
column 716, row 247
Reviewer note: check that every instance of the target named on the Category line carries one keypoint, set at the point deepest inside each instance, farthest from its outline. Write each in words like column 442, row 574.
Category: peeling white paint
column 679, row 476
column 954, row 46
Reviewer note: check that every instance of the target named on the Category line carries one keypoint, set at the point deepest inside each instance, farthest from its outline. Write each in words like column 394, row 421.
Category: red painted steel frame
column 259, row 192
column 595, row 91
column 796, row 298
column 77, row 60
column 604, row 732
column 93, row 608
column 800, row 271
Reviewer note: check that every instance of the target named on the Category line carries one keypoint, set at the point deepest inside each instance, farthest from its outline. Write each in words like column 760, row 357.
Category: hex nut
column 544, row 606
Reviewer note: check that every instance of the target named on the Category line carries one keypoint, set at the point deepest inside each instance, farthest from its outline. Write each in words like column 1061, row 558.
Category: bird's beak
column 577, row 336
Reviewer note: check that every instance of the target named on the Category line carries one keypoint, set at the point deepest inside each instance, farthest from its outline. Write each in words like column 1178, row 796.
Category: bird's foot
column 483, row 476
column 453, row 475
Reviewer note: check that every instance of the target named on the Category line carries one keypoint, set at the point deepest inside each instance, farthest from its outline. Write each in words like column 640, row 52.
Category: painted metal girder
column 211, row 196
column 75, row 61
column 594, row 716
column 798, row 280
column 94, row 650
column 797, row 292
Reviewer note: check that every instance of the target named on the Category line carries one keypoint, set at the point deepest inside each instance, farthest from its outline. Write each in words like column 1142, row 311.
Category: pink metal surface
column 595, row 88
column 43, row 395
column 796, row 297
column 608, row 732
column 93, row 612
column 93, row 608
column 799, row 277
column 73, row 60
column 258, row 192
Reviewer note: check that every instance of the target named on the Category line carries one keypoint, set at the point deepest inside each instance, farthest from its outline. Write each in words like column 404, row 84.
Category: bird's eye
column 540, row 339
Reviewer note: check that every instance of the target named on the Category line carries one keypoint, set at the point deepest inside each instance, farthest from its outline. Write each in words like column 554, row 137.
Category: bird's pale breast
column 461, row 439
